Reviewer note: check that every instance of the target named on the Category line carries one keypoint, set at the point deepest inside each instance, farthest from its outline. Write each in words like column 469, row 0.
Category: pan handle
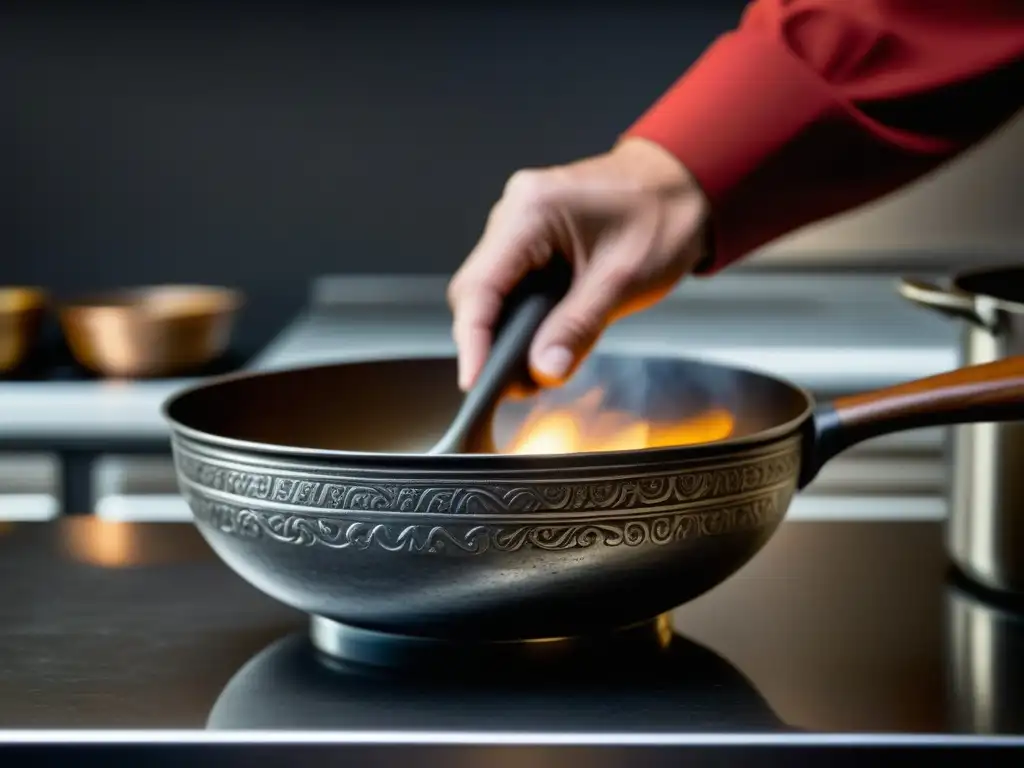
column 978, row 393
column 943, row 300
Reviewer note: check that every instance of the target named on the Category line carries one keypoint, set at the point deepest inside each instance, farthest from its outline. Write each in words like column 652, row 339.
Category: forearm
column 812, row 107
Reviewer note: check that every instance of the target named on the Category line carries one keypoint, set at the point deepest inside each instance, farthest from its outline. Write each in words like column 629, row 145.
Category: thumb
column 572, row 328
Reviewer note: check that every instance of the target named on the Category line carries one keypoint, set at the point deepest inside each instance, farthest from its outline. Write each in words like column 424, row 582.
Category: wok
column 310, row 485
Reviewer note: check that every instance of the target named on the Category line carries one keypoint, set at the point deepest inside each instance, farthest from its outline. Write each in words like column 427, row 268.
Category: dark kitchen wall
column 262, row 145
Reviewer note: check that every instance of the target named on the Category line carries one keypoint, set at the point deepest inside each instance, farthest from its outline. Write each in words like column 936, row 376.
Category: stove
column 124, row 638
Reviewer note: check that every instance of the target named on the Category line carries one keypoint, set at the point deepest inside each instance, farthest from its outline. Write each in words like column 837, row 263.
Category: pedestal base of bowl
column 345, row 643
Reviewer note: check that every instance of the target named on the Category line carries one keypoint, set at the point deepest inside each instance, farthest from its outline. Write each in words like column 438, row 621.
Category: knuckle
column 455, row 289
column 527, row 186
column 620, row 277
column 579, row 329
column 493, row 215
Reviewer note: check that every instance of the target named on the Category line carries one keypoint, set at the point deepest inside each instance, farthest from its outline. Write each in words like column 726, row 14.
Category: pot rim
column 958, row 278
column 458, row 463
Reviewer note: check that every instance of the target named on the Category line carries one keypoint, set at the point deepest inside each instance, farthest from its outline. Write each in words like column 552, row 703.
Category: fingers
column 573, row 327
column 520, row 235
column 476, row 292
column 629, row 220
column 475, row 315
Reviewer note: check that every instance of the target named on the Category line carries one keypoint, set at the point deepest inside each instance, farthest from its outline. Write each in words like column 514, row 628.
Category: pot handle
column 935, row 297
column 978, row 393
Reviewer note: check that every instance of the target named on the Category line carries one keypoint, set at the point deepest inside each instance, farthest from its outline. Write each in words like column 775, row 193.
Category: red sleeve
column 812, row 107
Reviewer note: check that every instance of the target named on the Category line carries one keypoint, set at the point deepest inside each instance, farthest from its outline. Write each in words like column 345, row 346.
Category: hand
column 632, row 223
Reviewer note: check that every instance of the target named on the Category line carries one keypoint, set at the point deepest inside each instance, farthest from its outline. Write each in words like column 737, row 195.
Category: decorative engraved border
column 310, row 531
column 743, row 475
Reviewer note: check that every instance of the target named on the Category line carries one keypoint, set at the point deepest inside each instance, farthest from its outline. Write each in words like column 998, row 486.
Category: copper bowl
column 152, row 331
column 21, row 319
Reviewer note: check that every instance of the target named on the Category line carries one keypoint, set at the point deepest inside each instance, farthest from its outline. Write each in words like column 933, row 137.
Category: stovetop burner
column 337, row 642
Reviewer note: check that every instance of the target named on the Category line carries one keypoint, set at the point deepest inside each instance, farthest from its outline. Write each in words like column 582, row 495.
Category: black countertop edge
column 455, row 739
column 471, row 755
column 156, row 444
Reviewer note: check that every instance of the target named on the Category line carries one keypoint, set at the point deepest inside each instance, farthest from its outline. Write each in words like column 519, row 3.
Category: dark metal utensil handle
column 522, row 313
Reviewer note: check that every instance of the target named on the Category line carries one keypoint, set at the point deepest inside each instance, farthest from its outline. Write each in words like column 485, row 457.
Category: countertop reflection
column 834, row 627
column 985, row 652
column 682, row 688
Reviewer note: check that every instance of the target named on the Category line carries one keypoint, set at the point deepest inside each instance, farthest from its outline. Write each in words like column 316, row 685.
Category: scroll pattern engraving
column 309, row 531
column 667, row 488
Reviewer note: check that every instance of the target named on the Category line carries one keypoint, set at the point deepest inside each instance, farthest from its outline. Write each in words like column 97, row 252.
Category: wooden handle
column 979, row 393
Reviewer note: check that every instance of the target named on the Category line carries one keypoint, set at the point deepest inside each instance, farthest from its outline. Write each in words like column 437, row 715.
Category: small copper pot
column 152, row 331
column 21, row 319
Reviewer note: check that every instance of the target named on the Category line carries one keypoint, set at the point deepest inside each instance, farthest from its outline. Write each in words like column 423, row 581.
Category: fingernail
column 554, row 362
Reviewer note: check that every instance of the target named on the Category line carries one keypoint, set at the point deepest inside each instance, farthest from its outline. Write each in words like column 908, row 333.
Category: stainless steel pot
column 985, row 531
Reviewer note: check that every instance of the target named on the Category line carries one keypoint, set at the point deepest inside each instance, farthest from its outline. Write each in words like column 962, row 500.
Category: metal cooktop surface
column 848, row 628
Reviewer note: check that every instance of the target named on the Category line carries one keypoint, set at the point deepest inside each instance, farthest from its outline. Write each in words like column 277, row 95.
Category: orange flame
column 585, row 427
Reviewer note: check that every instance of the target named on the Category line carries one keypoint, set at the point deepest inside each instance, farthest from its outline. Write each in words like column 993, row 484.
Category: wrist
column 657, row 170
column 651, row 164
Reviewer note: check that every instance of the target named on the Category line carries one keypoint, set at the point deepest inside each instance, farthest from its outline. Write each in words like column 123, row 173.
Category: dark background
column 260, row 145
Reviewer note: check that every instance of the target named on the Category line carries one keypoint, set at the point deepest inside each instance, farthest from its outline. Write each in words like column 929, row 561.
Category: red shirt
column 812, row 107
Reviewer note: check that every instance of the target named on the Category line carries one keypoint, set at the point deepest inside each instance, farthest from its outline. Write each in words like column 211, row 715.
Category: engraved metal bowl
column 288, row 480
column 312, row 485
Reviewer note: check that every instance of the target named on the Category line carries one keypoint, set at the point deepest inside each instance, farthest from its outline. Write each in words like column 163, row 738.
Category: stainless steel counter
column 835, row 634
